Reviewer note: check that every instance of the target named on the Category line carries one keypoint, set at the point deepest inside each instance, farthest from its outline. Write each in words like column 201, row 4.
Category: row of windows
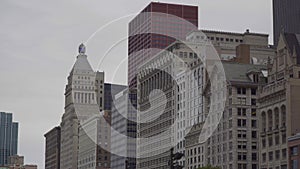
column 271, row 155
column 226, row 39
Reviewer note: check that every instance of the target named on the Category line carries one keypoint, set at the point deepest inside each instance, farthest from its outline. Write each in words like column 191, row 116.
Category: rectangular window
column 284, row 153
column 294, row 150
column 241, row 90
column 253, row 91
column 294, row 164
column 253, row 102
column 254, row 134
column 264, row 157
column 253, row 123
column 277, row 154
column 253, row 112
column 271, row 156
column 254, row 156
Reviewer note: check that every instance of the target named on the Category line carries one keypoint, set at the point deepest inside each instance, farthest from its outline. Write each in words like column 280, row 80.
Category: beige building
column 17, row 162
column 195, row 150
column 247, row 47
column 279, row 103
column 82, row 100
column 234, row 143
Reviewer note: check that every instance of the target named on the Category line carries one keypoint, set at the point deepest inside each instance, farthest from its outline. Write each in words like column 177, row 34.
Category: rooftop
column 238, row 72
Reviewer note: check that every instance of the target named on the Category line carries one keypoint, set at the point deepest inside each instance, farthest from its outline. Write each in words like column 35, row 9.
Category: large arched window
column 270, row 120
column 263, row 122
column 283, row 115
column 276, row 110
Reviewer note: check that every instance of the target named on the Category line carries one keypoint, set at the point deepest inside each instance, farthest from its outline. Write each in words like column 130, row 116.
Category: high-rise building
column 123, row 138
column 279, row 103
column 52, row 149
column 8, row 137
column 234, row 142
column 94, row 142
column 155, row 28
column 286, row 17
column 83, row 98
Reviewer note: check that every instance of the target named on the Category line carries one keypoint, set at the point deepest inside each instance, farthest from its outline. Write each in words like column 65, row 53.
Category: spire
column 81, row 49
column 81, row 62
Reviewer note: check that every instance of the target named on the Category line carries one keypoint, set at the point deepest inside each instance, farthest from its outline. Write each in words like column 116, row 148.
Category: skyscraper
column 286, row 17
column 155, row 28
column 123, row 143
column 83, row 98
column 8, row 137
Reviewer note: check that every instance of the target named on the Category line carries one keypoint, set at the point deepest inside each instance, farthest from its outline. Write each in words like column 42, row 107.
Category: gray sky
column 39, row 41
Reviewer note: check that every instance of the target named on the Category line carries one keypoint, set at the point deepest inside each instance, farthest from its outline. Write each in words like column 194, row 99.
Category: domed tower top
column 81, row 49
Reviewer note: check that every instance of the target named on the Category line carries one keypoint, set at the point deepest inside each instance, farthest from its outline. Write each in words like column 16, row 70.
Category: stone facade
column 279, row 103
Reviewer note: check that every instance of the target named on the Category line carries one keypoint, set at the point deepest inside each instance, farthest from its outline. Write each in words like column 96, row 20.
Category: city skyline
column 45, row 52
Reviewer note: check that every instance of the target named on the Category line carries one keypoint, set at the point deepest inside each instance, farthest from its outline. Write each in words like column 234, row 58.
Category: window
column 270, row 141
column 254, row 156
column 264, row 157
column 263, row 142
column 254, row 146
column 253, row 112
column 241, row 90
column 277, row 154
column 254, row 134
column 283, row 153
column 241, row 111
column 241, row 122
column 294, row 164
column 294, row 151
column 253, row 91
column 284, row 138
column 253, row 123
column 242, row 156
column 253, row 102
column 271, row 156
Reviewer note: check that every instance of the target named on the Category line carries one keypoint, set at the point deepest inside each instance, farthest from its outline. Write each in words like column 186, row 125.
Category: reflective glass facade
column 8, row 137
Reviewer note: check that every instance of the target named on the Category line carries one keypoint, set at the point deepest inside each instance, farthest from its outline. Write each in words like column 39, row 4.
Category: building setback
column 52, row 149
column 286, row 17
column 155, row 28
column 8, row 137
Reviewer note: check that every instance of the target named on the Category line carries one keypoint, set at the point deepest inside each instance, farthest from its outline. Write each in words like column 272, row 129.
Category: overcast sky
column 39, row 41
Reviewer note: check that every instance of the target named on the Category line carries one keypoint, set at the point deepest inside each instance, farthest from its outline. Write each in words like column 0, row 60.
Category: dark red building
column 155, row 28
column 294, row 153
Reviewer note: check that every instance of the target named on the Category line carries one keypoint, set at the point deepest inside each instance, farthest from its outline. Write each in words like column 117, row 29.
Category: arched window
column 276, row 110
column 263, row 122
column 270, row 120
column 283, row 116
